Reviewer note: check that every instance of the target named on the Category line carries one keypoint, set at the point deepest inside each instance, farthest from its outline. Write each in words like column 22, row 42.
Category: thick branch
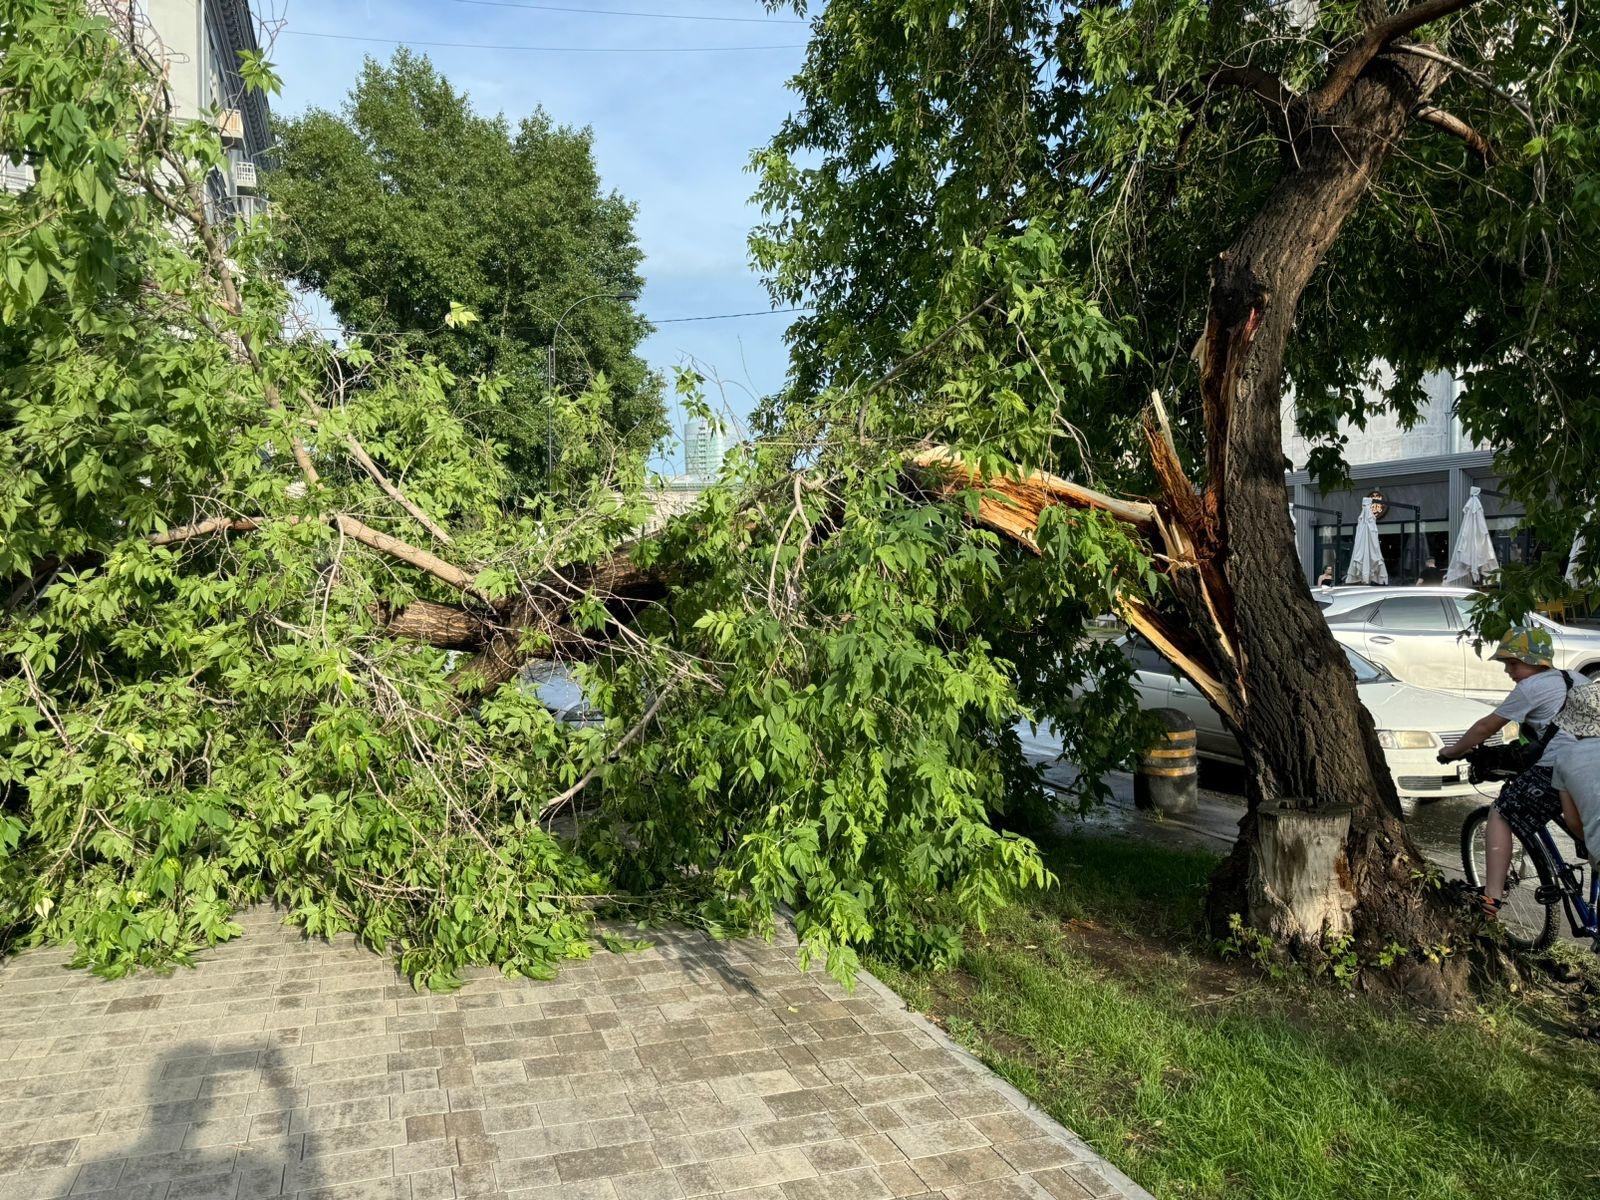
column 184, row 533
column 1348, row 67
column 444, row 625
column 547, row 607
column 1477, row 77
column 405, row 552
column 1456, row 127
column 1013, row 505
column 1259, row 81
column 353, row 529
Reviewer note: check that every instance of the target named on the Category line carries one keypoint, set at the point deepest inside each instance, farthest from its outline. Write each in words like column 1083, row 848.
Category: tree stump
column 1299, row 885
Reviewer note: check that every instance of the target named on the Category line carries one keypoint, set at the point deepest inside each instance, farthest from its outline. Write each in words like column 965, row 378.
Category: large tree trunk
column 1310, row 744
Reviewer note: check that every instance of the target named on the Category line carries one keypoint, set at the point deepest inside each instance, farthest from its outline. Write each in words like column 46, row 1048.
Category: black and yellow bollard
column 1167, row 779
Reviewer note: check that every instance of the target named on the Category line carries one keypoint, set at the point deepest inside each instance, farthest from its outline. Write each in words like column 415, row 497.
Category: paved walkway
column 282, row 1066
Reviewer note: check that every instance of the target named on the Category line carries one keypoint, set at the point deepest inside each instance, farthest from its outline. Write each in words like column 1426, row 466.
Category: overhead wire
column 621, row 12
column 357, row 37
column 759, row 312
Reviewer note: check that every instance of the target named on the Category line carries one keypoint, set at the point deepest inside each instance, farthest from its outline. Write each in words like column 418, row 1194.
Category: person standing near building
column 1530, row 801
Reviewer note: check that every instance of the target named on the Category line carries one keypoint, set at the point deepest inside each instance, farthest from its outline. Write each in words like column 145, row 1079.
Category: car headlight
column 1406, row 739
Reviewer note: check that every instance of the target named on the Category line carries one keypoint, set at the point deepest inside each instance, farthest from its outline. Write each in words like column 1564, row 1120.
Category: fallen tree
column 268, row 604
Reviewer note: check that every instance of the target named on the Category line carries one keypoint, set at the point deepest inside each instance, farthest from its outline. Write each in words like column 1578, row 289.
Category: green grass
column 1204, row 1080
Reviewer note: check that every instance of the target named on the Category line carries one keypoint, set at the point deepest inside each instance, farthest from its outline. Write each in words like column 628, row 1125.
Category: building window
column 15, row 176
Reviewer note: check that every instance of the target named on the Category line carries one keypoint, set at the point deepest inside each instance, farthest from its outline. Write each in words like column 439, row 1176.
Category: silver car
column 1421, row 635
column 1413, row 723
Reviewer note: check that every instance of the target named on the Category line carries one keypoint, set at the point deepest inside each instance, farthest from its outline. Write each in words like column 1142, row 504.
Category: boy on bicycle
column 1530, row 801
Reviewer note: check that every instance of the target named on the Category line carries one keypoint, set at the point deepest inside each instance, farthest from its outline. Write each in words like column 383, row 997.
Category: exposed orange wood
column 1014, row 502
column 1160, row 633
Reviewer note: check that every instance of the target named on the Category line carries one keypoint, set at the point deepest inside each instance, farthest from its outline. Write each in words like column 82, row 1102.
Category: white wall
column 1436, row 432
column 177, row 25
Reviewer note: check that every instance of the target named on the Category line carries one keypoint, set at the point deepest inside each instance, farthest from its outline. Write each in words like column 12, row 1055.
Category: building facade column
column 1305, row 529
column 1460, row 489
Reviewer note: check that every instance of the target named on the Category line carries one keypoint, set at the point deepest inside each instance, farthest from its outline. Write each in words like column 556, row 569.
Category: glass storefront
column 1407, row 559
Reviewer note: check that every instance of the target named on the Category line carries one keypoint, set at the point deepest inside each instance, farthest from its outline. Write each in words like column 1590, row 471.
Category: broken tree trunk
column 1307, row 738
column 1322, row 850
column 538, row 622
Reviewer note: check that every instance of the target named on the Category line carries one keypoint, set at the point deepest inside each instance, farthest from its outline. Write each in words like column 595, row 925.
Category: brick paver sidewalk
column 282, row 1066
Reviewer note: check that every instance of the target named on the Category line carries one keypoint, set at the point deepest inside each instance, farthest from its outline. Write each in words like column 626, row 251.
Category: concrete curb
column 1046, row 1123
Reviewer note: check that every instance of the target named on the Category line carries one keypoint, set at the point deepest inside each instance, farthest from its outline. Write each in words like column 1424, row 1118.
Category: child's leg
column 1573, row 821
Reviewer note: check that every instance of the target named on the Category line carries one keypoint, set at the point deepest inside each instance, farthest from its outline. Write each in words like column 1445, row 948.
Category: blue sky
column 673, row 130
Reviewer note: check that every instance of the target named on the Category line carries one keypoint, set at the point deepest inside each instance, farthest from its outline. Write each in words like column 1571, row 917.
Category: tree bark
column 1308, row 740
column 446, row 626
column 547, row 607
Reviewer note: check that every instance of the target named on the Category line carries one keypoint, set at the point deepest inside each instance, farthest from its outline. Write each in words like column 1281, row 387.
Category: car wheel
column 1592, row 673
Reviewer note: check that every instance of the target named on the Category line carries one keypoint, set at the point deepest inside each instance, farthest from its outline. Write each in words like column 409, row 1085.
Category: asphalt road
column 1436, row 824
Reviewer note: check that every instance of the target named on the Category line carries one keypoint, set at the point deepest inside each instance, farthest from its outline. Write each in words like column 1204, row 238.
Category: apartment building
column 199, row 42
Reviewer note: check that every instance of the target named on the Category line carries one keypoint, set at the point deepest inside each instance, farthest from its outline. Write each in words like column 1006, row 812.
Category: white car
column 1421, row 635
column 555, row 687
column 1414, row 723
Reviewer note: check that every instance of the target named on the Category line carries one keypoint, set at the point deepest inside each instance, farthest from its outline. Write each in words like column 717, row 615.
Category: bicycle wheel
column 1529, row 925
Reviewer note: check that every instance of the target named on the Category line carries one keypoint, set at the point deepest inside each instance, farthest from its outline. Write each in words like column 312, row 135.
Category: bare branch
column 359, row 453
column 405, row 552
column 1456, row 127
column 1278, row 100
column 353, row 529
column 552, row 805
column 184, row 533
column 1477, row 77
column 1347, row 67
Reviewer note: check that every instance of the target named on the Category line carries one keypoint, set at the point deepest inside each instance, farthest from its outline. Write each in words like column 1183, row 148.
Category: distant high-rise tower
column 703, row 448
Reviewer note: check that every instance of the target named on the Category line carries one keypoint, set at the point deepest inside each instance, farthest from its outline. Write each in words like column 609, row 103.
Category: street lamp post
column 550, row 370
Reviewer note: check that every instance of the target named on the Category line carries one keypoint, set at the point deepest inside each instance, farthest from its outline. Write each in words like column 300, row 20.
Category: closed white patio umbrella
column 1572, row 564
column 1473, row 559
column 1366, row 559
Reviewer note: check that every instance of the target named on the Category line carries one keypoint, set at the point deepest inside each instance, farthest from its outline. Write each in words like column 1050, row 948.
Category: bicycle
column 1539, row 877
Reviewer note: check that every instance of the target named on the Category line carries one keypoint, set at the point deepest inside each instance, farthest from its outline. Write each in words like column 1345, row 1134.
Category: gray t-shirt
column 1578, row 772
column 1534, row 703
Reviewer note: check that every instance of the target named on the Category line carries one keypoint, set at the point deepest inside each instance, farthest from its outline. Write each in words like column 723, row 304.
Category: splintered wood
column 1012, row 505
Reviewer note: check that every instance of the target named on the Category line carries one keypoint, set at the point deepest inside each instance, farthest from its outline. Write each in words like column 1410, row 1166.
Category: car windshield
column 1366, row 671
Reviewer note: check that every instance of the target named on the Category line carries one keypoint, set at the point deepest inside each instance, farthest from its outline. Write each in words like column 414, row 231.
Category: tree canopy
column 1142, row 137
column 407, row 201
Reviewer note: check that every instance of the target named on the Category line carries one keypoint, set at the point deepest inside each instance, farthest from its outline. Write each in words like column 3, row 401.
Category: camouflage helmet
column 1526, row 645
